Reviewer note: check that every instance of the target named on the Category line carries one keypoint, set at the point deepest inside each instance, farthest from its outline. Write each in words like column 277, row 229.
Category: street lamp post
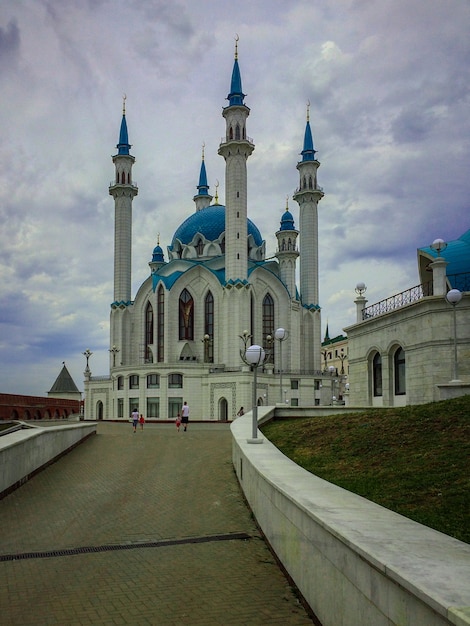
column 332, row 370
column 281, row 335
column 114, row 350
column 254, row 356
column 453, row 297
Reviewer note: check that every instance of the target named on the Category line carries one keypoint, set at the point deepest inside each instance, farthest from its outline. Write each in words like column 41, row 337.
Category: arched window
column 399, row 371
column 148, row 333
column 268, row 319
column 200, row 247
column 377, row 374
column 230, row 134
column 237, row 131
column 310, row 182
column 304, row 182
column 160, row 324
column 120, row 382
column 209, row 328
column 186, row 315
column 123, row 178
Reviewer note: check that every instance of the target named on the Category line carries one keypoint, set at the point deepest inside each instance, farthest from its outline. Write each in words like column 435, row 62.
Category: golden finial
column 308, row 110
column 158, row 239
column 216, row 192
column 124, row 97
column 203, row 146
column 287, row 203
column 236, row 46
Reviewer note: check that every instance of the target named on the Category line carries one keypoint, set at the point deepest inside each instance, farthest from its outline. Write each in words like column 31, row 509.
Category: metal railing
column 398, row 300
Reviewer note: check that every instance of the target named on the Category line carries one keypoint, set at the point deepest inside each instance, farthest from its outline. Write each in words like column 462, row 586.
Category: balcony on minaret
column 228, row 139
column 115, row 183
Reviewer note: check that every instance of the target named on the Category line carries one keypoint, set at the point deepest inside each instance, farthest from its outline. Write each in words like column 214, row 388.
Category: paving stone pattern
column 120, row 488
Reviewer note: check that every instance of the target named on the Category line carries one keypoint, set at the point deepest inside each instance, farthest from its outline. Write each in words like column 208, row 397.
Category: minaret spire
column 202, row 198
column 236, row 148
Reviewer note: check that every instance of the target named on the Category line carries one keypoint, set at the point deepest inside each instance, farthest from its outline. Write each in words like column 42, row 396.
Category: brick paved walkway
column 120, row 489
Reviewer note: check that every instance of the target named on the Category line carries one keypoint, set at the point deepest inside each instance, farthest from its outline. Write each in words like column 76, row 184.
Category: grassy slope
column 414, row 460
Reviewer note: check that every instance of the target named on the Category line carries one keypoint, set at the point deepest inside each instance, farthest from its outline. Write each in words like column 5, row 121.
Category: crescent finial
column 124, row 98
column 237, row 38
column 308, row 110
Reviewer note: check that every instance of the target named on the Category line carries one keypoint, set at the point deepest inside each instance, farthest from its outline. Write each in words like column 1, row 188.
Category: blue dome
column 157, row 255
column 209, row 222
column 287, row 221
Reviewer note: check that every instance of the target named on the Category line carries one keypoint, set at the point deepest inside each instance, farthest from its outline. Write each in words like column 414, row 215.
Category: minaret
column 202, row 198
column 236, row 149
column 308, row 195
column 287, row 251
column 123, row 190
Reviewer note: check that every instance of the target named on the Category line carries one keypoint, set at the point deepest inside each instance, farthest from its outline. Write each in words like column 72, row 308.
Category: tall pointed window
column 148, row 333
column 160, row 324
column 186, row 315
column 209, row 328
column 377, row 375
column 399, row 372
column 237, row 131
column 268, row 320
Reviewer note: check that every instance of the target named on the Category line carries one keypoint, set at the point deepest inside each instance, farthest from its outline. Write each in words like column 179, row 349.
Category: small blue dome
column 209, row 222
column 287, row 221
column 157, row 255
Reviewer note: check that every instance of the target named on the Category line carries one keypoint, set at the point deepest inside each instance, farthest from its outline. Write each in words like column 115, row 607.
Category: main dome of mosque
column 210, row 223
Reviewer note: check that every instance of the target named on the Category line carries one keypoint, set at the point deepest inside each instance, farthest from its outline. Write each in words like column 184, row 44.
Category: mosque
column 184, row 335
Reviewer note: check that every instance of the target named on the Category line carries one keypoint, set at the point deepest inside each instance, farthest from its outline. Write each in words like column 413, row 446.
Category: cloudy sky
column 389, row 87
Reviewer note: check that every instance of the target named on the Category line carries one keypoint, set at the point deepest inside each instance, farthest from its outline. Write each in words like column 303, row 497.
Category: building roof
column 457, row 255
column 64, row 383
column 210, row 223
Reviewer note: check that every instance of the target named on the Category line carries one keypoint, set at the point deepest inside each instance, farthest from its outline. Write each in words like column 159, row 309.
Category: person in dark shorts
column 185, row 415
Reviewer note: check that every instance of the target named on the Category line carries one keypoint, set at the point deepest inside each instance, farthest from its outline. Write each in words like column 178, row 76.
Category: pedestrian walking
column 135, row 418
column 185, row 415
column 178, row 422
column 141, row 421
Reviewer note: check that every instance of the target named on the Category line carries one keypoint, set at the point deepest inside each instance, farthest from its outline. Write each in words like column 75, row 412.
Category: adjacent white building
column 414, row 347
column 181, row 336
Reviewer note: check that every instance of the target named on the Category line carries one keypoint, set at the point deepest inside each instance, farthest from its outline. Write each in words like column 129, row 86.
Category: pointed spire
column 236, row 94
column 123, row 146
column 203, row 187
column 327, row 333
column 308, row 152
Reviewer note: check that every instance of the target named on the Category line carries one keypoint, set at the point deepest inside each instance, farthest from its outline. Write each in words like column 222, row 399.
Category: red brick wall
column 14, row 406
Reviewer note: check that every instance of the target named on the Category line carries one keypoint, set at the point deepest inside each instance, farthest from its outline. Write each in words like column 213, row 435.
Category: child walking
column 141, row 421
column 178, row 422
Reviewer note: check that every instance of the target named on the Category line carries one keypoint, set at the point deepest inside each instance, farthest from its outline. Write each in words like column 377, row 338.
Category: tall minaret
column 287, row 251
column 308, row 195
column 202, row 198
column 236, row 149
column 123, row 190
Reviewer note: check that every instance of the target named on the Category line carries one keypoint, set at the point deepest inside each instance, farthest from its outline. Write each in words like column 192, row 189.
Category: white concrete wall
column 355, row 562
column 25, row 451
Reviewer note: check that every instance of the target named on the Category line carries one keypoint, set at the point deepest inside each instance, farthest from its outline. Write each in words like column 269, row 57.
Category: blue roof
column 457, row 255
column 157, row 256
column 236, row 94
column 203, row 186
column 209, row 222
column 308, row 152
column 123, row 145
column 287, row 221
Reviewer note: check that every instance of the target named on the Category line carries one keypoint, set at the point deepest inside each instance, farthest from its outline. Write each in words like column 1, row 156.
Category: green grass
column 414, row 460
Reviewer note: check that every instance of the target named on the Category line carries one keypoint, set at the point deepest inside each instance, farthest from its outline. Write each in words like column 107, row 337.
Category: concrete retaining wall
column 26, row 451
column 354, row 561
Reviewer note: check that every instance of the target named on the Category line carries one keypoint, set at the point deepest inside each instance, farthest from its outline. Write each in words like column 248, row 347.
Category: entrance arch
column 223, row 410
column 99, row 410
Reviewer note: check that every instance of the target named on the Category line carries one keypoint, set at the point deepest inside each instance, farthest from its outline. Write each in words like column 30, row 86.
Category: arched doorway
column 99, row 410
column 223, row 410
